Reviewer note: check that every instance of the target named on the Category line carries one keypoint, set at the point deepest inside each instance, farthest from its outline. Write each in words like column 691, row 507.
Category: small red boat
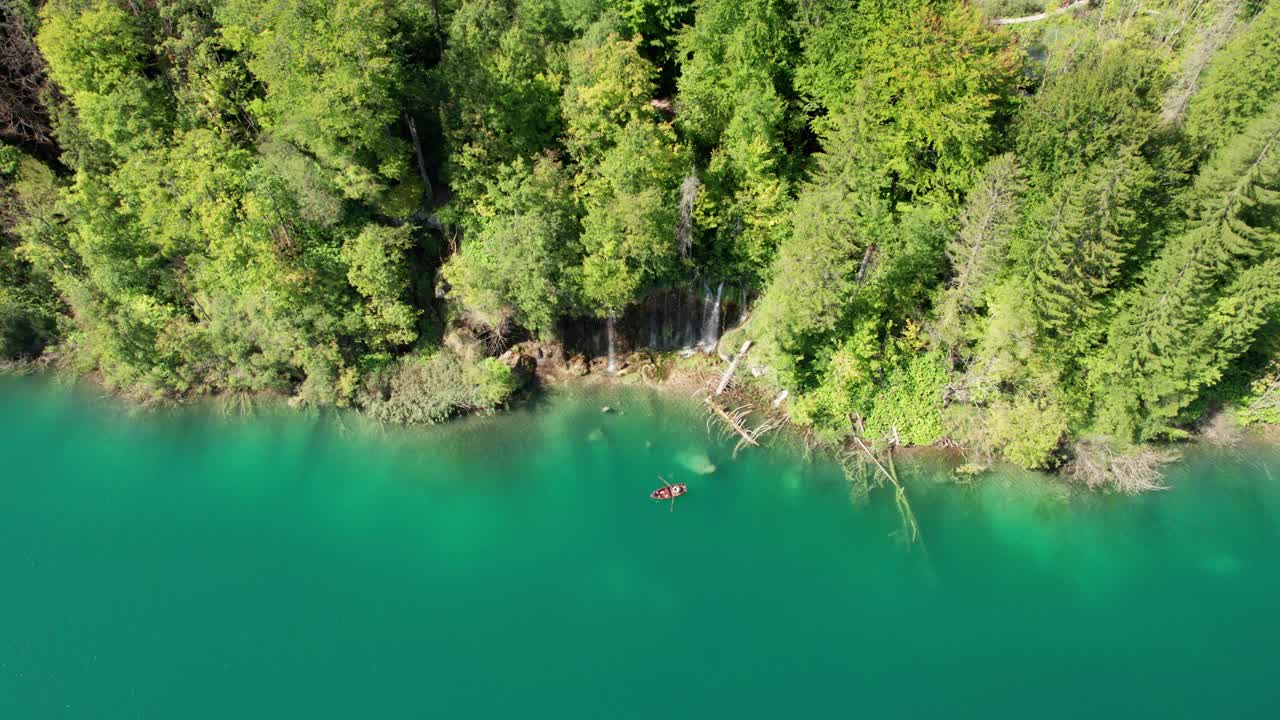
column 669, row 491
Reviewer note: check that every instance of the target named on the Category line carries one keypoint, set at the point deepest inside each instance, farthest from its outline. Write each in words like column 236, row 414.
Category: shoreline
column 668, row 373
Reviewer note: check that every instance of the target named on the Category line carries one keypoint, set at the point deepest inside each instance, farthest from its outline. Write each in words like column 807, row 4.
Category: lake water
column 180, row 564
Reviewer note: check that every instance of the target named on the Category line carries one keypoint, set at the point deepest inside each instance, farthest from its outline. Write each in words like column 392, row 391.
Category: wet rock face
column 688, row 318
column 523, row 366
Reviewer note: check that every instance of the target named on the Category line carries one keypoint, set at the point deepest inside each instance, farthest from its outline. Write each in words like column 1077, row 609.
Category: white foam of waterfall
column 711, row 323
column 611, row 333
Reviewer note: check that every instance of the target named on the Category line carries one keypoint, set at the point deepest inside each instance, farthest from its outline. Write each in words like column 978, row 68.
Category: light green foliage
column 835, row 36
column 332, row 75
column 631, row 167
column 1242, row 79
column 610, row 85
column 28, row 306
column 98, row 55
column 935, row 81
column 736, row 51
column 655, row 21
column 628, row 232
column 908, row 405
column 501, row 78
column 837, row 216
column 738, row 56
column 1262, row 403
column 1006, row 237
column 377, row 270
column 427, row 389
column 1076, row 240
column 518, row 262
column 1027, row 430
column 1101, row 101
column 1204, row 296
column 493, row 382
column 939, row 85
column 978, row 250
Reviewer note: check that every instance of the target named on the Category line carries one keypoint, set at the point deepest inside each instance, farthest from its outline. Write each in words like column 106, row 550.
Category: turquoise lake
column 182, row 564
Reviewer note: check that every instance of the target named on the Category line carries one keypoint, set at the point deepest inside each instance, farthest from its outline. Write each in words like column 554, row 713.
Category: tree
column 501, row 78
column 978, row 250
column 732, row 105
column 377, row 270
column 628, row 233
column 630, row 167
column 98, row 55
column 1076, row 241
column 936, row 80
column 1240, row 82
column 518, row 263
column 1204, row 296
column 29, row 307
column 1102, row 100
column 838, row 217
column 333, row 78
column 610, row 85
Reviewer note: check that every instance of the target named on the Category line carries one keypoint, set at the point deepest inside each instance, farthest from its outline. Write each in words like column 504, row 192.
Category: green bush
column 427, row 389
column 1028, row 430
column 910, row 401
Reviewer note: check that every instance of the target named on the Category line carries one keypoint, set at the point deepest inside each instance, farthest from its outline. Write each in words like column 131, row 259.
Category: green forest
column 1050, row 243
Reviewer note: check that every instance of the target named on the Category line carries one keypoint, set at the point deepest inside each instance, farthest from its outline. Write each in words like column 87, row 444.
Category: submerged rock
column 697, row 462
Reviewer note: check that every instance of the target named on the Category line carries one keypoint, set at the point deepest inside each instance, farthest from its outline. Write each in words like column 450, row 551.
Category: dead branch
column 733, row 365
column 735, row 423
column 911, row 529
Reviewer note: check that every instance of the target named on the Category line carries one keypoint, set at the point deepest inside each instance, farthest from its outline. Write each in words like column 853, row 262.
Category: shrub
column 910, row 401
column 1027, row 430
column 1098, row 463
column 427, row 389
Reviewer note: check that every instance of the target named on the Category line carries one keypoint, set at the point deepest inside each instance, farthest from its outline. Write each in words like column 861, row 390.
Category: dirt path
column 1040, row 16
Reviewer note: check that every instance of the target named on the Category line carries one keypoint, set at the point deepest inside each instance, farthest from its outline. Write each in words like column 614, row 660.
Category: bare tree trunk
column 417, row 150
column 728, row 373
column 1179, row 94
column 866, row 261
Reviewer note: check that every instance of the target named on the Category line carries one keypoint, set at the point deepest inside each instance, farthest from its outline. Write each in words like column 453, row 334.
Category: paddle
column 673, row 493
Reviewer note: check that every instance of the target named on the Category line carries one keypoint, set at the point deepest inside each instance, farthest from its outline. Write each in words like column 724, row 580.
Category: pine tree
column 978, row 250
column 1240, row 82
column 1203, row 297
column 1078, row 239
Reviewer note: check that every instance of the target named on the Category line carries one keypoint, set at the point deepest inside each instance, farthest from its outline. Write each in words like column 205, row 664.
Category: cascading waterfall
column 655, row 328
column 692, row 324
column 611, row 332
column 711, row 323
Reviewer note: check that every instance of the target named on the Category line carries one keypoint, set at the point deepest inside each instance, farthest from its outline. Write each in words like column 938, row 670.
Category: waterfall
column 711, row 325
column 684, row 226
column 655, row 325
column 692, row 321
column 611, row 333
column 742, row 307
